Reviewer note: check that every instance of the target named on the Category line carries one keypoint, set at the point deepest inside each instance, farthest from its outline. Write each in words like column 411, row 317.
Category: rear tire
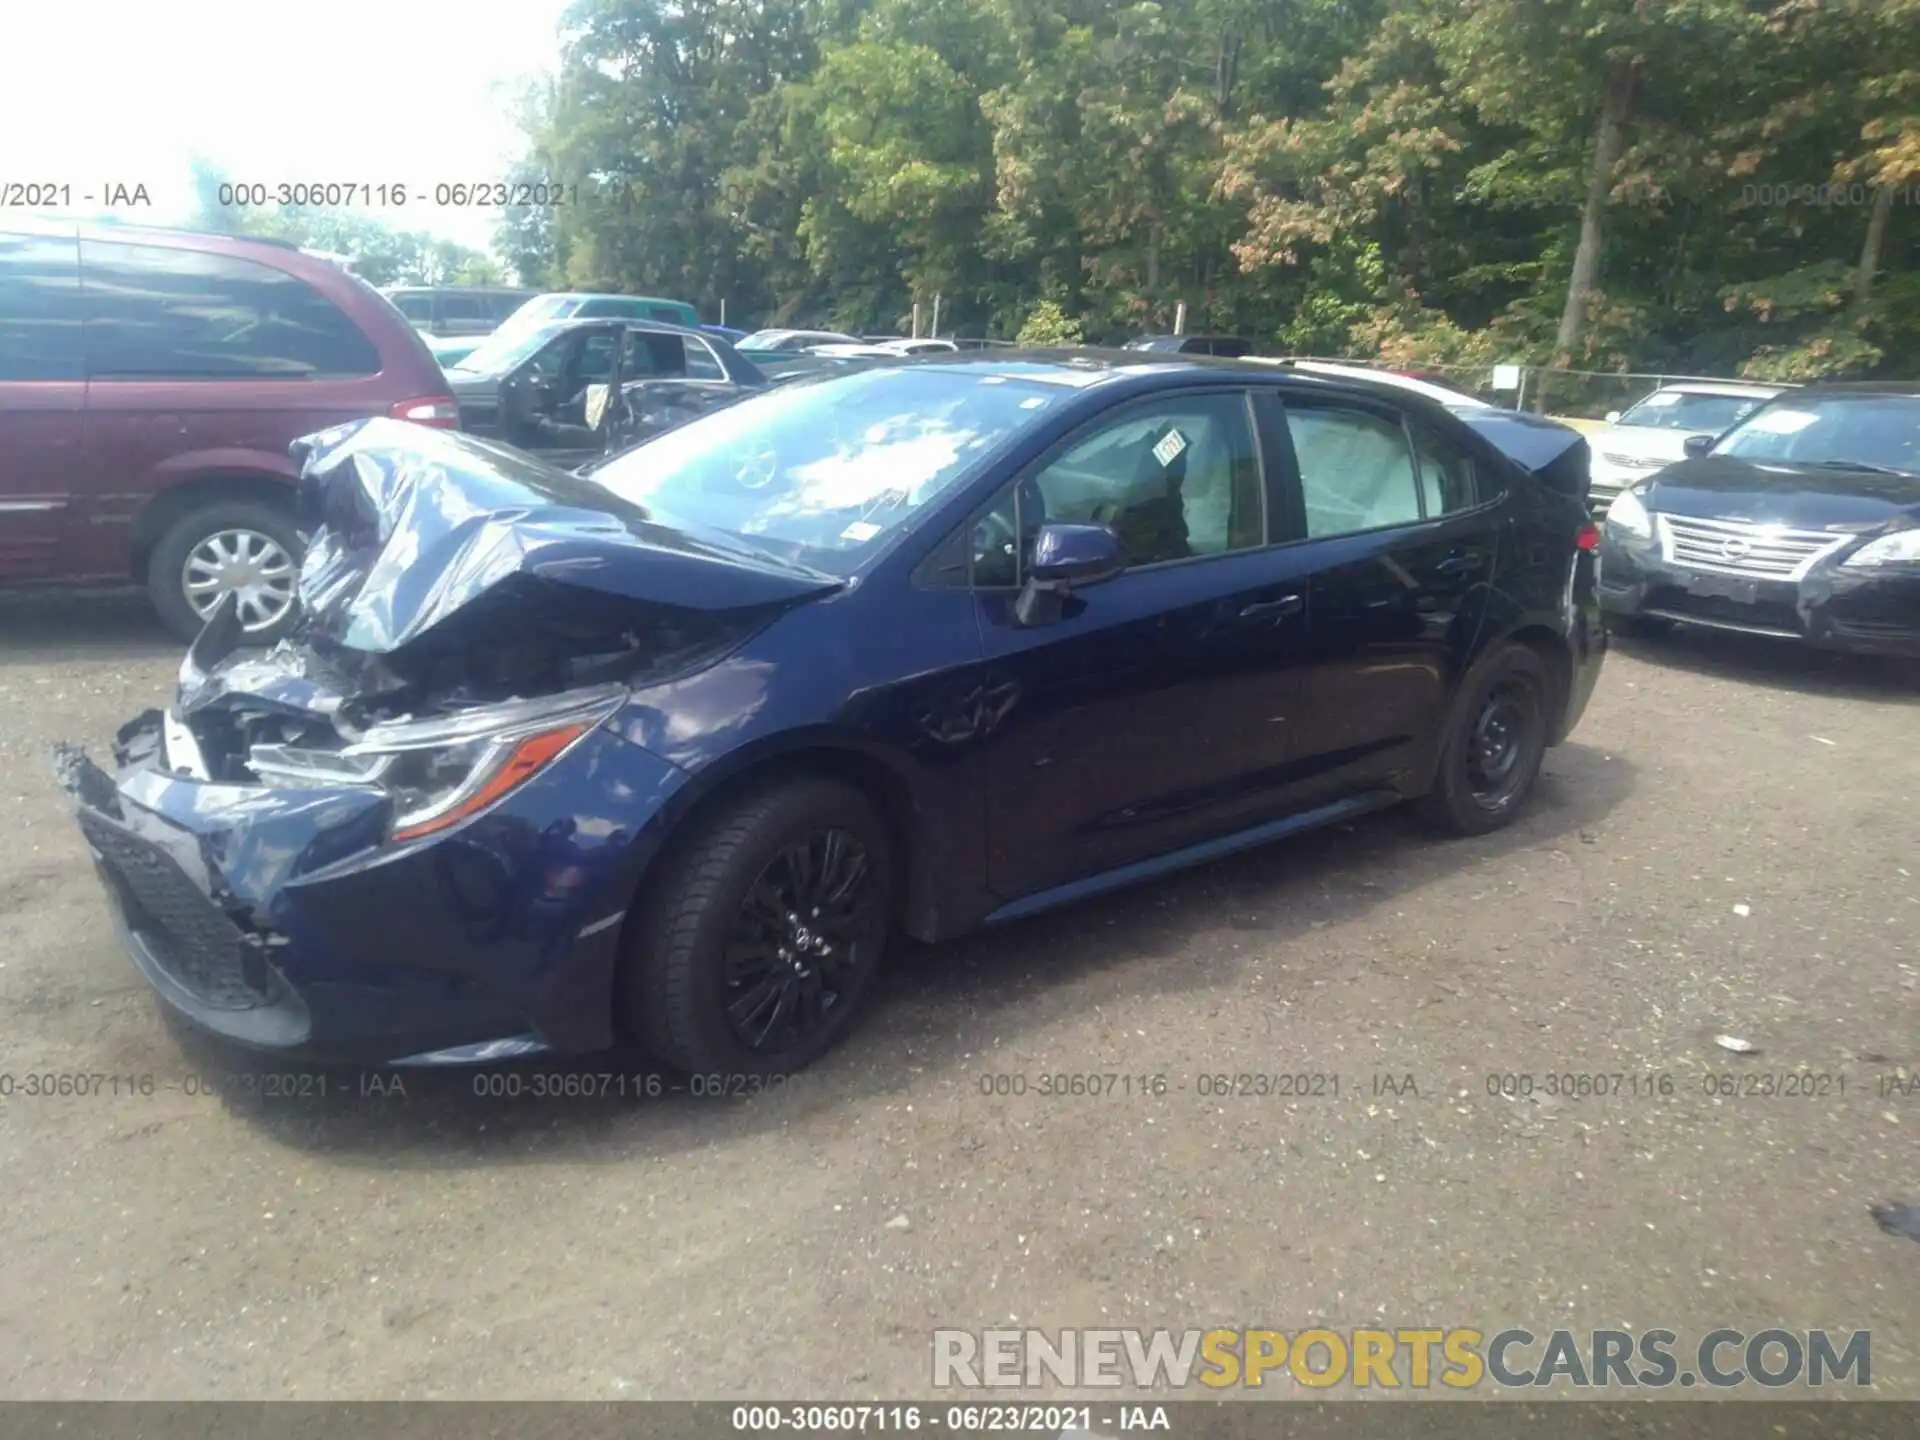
column 1491, row 756
column 263, row 547
column 770, row 917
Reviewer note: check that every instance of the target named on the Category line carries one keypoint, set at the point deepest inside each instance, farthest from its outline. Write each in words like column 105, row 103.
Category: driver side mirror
column 1613, row 417
column 1066, row 557
column 1698, row 445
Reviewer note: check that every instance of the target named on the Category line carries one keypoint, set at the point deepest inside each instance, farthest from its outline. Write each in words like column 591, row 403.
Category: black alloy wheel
column 752, row 945
column 798, row 939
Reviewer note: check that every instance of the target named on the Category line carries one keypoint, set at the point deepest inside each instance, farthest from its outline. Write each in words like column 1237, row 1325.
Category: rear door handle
column 1461, row 562
column 1274, row 609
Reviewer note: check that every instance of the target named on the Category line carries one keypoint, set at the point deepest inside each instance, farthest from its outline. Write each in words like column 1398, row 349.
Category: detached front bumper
column 280, row 919
column 1869, row 611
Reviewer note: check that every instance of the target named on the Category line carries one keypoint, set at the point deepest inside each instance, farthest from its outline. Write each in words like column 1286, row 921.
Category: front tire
column 752, row 949
column 243, row 546
column 1491, row 756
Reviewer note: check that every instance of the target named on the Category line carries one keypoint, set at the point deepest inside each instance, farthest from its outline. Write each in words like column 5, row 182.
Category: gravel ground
column 1727, row 846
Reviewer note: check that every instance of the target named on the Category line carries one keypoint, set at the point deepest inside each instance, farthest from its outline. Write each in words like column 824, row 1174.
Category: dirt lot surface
column 1727, row 847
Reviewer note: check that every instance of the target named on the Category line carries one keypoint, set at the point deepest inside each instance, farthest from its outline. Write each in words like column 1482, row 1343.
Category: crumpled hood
column 444, row 572
column 408, row 525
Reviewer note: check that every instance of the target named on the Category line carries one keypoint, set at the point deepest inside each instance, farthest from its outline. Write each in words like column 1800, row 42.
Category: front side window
column 154, row 312
column 593, row 362
column 1174, row 479
column 702, row 363
column 40, row 314
column 823, row 472
column 505, row 350
column 1356, row 471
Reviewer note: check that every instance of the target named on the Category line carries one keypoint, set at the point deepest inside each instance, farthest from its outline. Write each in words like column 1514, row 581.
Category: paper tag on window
column 859, row 532
column 1782, row 422
column 1169, row 448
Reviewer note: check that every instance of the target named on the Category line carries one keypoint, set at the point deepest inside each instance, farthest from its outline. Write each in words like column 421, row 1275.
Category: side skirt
column 1191, row 855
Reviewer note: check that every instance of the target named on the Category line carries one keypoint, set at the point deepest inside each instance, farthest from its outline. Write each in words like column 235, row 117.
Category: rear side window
column 1356, row 471
column 40, row 308
column 163, row 314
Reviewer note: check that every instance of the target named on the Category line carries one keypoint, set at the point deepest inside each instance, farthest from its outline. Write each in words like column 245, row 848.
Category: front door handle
column 1461, row 562
column 1274, row 609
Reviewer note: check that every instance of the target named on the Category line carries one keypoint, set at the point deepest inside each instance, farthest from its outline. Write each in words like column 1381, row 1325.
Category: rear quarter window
column 154, row 312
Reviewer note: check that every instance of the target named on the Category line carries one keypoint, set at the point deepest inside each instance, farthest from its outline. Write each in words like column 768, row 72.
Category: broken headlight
column 441, row 769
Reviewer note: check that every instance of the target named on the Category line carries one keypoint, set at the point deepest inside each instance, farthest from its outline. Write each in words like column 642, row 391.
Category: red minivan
column 150, row 383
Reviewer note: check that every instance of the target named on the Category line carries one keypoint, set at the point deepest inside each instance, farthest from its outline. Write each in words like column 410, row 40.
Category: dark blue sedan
column 666, row 753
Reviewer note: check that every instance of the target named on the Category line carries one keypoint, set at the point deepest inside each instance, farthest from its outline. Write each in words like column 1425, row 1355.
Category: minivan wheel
column 239, row 547
column 1491, row 757
column 754, row 946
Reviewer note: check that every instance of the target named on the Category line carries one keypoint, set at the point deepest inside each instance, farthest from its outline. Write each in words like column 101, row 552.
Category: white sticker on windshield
column 1782, row 422
column 1169, row 448
column 859, row 532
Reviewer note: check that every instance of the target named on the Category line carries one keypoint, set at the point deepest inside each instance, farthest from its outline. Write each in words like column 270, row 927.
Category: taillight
column 442, row 411
column 1588, row 536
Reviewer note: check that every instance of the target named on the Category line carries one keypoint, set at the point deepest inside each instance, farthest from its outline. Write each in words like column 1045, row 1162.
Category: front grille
column 1634, row 462
column 193, row 937
column 1740, row 547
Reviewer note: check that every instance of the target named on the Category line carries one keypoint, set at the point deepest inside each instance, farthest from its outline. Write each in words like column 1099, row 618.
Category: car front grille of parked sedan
column 1738, row 547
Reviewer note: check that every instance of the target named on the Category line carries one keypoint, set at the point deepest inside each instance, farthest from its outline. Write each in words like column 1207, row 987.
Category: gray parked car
column 574, row 390
column 456, row 309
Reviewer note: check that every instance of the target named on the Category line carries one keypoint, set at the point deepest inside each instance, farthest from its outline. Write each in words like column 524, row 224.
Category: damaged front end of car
column 407, row 832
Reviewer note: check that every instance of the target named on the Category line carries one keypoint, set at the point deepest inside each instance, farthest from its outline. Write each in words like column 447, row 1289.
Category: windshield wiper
column 1866, row 465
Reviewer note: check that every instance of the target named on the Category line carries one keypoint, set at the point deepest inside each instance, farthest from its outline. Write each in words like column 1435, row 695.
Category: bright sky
column 409, row 92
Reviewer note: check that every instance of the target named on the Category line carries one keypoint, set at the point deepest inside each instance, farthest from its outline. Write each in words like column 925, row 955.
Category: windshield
column 1866, row 429
column 1690, row 410
column 504, row 349
column 823, row 472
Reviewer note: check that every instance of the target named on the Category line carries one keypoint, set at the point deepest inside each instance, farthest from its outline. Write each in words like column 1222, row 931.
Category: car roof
column 626, row 322
column 1092, row 367
column 605, row 295
column 1391, row 380
column 1859, row 387
column 1744, row 389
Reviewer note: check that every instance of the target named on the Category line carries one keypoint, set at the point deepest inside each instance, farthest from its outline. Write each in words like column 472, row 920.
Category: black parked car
column 670, row 752
column 1802, row 521
column 576, row 390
